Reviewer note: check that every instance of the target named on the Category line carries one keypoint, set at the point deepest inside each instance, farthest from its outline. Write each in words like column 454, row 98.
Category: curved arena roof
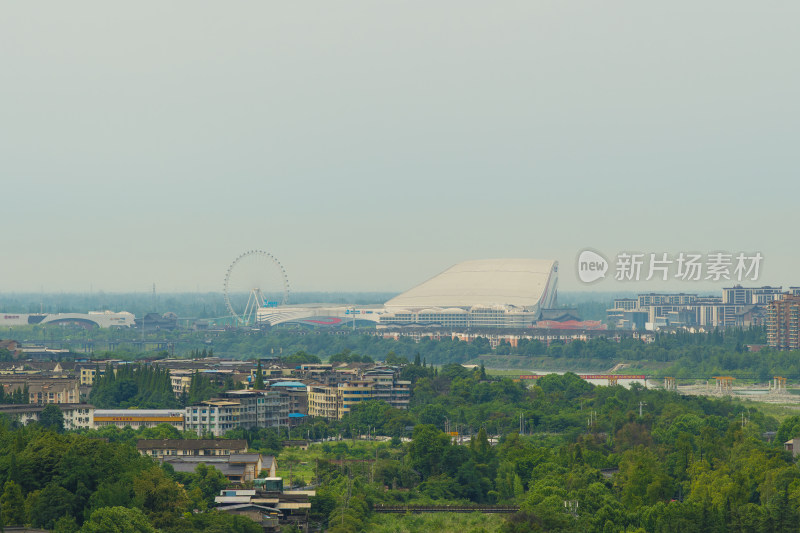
column 525, row 283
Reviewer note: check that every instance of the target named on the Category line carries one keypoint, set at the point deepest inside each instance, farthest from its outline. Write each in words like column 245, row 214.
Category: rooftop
column 514, row 282
column 191, row 444
column 288, row 384
column 136, row 413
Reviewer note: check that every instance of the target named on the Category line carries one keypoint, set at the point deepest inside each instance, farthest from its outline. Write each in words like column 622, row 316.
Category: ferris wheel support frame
column 256, row 298
column 254, row 302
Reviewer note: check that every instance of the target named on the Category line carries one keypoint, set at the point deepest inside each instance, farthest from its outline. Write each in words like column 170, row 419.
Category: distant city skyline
column 568, row 283
column 370, row 146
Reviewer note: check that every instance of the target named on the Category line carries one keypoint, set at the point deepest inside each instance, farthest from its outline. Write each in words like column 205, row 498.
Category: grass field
column 779, row 410
column 301, row 463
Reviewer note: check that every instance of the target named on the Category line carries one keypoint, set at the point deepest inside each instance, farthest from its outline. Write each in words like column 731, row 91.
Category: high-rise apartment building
column 783, row 323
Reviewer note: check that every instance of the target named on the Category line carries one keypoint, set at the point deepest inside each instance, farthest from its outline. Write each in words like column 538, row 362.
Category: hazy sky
column 370, row 145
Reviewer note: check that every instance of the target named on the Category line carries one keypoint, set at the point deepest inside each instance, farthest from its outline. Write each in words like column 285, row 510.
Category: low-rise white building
column 76, row 415
column 139, row 418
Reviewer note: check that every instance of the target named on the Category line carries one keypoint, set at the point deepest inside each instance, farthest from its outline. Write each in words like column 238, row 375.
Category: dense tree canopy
column 571, row 456
column 51, row 417
column 134, row 385
column 586, row 461
column 70, row 482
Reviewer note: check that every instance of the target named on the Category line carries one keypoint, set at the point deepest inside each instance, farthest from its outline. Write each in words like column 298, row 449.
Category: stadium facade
column 479, row 294
column 103, row 319
column 488, row 293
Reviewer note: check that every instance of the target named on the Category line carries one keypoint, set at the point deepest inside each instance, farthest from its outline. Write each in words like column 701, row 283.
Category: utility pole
column 372, row 471
column 640, row 408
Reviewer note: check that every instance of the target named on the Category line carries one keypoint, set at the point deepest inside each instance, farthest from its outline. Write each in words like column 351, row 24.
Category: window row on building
column 737, row 307
column 336, row 400
column 475, row 317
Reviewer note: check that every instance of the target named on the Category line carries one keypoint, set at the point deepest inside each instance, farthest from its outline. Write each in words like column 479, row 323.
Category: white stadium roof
column 526, row 283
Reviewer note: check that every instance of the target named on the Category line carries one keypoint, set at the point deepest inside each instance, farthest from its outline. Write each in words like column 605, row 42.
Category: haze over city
column 371, row 146
column 518, row 266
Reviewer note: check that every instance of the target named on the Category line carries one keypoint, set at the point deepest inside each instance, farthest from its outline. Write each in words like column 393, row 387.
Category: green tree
column 394, row 359
column 51, row 417
column 427, row 449
column 66, row 524
column 258, row 384
column 161, row 431
column 216, row 522
column 368, row 414
column 12, row 505
column 158, row 496
column 210, row 481
column 508, row 484
column 789, row 429
column 118, row 520
column 148, row 387
column 49, row 504
column 641, row 478
column 301, row 357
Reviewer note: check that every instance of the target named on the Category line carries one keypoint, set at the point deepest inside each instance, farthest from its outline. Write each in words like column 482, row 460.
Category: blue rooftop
column 288, row 384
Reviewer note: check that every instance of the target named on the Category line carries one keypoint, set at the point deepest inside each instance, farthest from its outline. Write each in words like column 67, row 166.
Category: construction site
column 777, row 390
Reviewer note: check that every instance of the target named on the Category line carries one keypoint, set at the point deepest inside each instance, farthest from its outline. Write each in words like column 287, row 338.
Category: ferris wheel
column 255, row 279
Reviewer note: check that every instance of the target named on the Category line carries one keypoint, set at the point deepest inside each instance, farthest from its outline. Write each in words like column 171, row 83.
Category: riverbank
column 510, row 365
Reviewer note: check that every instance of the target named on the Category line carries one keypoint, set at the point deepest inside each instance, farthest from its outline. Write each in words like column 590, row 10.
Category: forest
column 622, row 459
column 570, row 456
column 72, row 483
column 149, row 387
column 693, row 352
column 586, row 459
column 678, row 354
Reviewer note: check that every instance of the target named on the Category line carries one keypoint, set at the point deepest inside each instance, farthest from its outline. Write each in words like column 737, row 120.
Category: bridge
column 593, row 376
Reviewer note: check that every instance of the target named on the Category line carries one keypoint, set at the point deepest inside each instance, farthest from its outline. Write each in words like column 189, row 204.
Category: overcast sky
column 370, row 145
